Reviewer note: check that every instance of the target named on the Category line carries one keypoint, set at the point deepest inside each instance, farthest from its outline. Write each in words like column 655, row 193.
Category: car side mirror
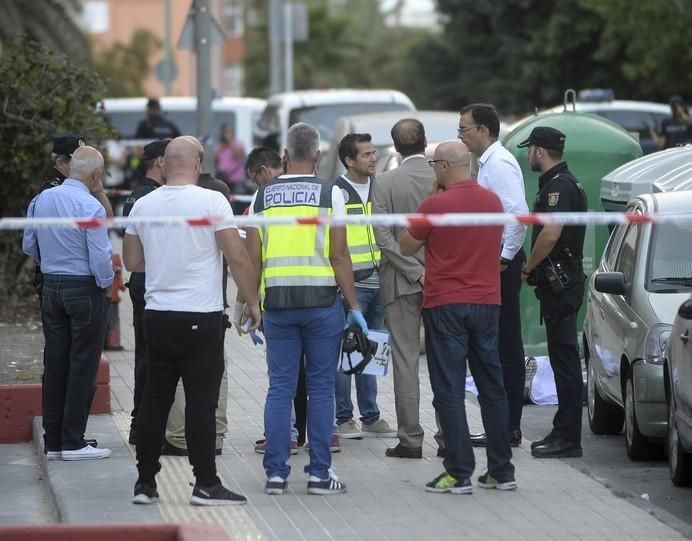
column 685, row 310
column 610, row 282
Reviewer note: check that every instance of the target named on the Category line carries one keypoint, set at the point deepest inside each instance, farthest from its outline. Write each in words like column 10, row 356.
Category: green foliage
column 124, row 67
column 349, row 46
column 41, row 94
column 657, row 38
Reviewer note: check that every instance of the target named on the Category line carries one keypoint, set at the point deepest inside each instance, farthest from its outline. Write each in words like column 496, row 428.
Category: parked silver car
column 642, row 279
column 678, row 379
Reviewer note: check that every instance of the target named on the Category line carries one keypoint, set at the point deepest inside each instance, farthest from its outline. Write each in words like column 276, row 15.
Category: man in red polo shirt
column 461, row 309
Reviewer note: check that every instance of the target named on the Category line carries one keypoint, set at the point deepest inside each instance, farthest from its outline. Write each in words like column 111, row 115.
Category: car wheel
column 679, row 461
column 604, row 417
column 638, row 446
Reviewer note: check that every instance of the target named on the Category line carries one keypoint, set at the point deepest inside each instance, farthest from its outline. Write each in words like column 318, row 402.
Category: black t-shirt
column 676, row 132
column 147, row 185
column 559, row 191
column 157, row 127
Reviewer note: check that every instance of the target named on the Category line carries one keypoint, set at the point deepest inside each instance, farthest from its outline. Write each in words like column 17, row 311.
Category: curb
column 95, row 490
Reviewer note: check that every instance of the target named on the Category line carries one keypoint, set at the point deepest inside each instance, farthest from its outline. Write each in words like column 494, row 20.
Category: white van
column 322, row 109
column 242, row 113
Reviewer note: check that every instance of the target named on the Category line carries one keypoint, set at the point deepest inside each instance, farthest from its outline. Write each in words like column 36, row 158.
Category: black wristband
column 505, row 261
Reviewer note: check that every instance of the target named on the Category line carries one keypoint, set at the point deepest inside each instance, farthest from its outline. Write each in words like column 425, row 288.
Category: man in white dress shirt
column 479, row 128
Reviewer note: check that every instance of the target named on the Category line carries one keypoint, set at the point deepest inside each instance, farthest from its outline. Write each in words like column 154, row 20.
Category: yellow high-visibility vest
column 296, row 270
column 365, row 255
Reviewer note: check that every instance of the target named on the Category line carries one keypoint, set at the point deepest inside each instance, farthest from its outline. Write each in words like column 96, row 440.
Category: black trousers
column 136, row 287
column 563, row 350
column 510, row 342
column 187, row 345
column 74, row 313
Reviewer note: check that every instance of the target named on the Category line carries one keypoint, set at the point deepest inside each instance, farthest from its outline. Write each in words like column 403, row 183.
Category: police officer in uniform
column 301, row 270
column 156, row 126
column 152, row 157
column 554, row 267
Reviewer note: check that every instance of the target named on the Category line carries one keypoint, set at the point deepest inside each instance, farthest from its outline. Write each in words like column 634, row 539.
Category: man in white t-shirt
column 183, row 317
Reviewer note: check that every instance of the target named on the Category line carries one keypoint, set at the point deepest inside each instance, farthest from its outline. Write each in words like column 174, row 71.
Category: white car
column 322, row 108
column 632, row 299
column 242, row 113
column 637, row 117
column 439, row 126
column 678, row 379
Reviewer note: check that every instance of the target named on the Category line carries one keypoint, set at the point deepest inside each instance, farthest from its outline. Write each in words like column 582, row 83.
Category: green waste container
column 594, row 147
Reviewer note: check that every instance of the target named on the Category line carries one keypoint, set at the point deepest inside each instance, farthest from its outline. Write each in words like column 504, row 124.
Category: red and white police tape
column 402, row 220
column 125, row 193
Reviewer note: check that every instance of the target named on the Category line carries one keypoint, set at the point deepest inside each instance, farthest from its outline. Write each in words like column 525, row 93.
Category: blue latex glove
column 355, row 317
column 256, row 340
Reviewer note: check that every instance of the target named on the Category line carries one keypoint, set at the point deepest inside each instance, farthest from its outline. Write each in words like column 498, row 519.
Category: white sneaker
column 349, row 430
column 86, row 453
column 53, row 455
column 379, row 429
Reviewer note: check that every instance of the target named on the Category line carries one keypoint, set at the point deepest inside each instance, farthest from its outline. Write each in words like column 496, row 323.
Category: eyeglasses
column 463, row 129
column 432, row 163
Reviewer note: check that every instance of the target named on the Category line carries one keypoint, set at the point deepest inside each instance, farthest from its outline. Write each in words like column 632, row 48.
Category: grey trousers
column 403, row 318
column 175, row 427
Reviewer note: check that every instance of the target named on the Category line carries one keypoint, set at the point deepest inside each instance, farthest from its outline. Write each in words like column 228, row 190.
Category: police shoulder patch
column 553, row 198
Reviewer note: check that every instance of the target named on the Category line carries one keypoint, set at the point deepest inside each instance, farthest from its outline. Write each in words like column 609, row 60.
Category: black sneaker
column 448, row 483
column 215, row 494
column 488, row 481
column 325, row 487
column 276, row 486
column 145, row 492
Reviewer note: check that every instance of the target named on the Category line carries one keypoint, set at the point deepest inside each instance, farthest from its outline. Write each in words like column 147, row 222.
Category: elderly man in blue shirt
column 78, row 273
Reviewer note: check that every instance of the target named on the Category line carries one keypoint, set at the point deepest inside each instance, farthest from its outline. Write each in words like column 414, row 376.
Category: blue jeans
column 366, row 384
column 290, row 333
column 453, row 333
column 74, row 312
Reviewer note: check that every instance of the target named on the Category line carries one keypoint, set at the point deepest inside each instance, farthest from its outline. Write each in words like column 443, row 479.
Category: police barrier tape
column 402, row 220
column 125, row 193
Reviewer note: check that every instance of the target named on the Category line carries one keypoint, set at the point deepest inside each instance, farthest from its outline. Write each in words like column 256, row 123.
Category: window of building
column 233, row 19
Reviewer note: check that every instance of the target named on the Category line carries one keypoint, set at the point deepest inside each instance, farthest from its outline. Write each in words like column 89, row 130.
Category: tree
column 517, row 54
column 42, row 94
column 125, row 66
column 657, row 41
column 349, row 46
column 51, row 22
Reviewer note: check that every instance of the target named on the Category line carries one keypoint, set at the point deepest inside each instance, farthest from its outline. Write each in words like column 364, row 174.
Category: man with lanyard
column 301, row 269
column 152, row 158
column 479, row 129
column 554, row 266
column 357, row 153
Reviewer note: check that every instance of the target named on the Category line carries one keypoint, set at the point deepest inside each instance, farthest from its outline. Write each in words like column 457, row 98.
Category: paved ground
column 385, row 500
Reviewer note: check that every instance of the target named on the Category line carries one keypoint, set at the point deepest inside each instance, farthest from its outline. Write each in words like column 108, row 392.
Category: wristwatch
column 505, row 261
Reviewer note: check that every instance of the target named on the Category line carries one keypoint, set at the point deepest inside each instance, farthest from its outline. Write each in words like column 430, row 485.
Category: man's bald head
column 86, row 165
column 452, row 161
column 409, row 137
column 182, row 160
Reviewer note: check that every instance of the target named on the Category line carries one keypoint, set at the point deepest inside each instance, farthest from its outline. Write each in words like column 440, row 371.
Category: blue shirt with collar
column 76, row 252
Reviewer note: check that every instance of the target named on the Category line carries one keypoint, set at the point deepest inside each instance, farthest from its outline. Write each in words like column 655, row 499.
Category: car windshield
column 324, row 117
column 126, row 122
column 670, row 260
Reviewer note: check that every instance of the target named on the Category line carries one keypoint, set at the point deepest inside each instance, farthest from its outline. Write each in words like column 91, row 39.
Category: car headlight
column 656, row 343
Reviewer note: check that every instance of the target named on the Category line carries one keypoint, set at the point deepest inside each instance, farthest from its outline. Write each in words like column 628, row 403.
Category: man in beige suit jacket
column 401, row 278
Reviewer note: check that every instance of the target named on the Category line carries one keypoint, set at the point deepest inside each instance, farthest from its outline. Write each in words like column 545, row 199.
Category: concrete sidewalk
column 385, row 499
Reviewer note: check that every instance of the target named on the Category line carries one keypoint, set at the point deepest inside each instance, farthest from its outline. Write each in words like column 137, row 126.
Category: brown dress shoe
column 404, row 452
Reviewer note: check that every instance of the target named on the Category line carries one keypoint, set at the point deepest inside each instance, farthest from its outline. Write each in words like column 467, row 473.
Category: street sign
column 187, row 36
column 299, row 21
column 166, row 71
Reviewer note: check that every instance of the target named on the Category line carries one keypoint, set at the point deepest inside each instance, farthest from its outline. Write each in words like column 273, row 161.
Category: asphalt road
column 646, row 484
